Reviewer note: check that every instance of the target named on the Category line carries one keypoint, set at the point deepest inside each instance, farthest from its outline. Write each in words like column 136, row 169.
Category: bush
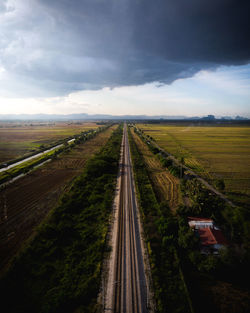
column 166, row 162
column 219, row 183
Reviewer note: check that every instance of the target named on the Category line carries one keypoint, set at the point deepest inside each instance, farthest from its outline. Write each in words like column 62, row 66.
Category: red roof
column 206, row 237
column 217, row 233
column 211, row 236
column 200, row 219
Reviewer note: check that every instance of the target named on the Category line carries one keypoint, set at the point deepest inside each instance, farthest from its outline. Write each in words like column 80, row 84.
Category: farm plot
column 18, row 139
column 166, row 185
column 214, row 152
column 27, row 201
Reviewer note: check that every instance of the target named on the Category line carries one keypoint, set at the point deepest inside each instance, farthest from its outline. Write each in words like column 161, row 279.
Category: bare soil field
column 18, row 139
column 214, row 152
column 167, row 186
column 26, row 202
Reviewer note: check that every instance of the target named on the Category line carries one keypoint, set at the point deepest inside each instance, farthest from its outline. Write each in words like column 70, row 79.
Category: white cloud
column 145, row 99
column 222, row 92
column 228, row 80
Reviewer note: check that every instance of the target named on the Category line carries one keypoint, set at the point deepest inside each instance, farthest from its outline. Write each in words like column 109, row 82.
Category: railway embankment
column 126, row 288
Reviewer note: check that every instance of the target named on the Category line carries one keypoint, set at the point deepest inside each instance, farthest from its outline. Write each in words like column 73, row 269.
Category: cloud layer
column 222, row 92
column 61, row 46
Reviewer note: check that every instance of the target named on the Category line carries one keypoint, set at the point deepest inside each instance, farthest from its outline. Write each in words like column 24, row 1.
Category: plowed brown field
column 26, row 202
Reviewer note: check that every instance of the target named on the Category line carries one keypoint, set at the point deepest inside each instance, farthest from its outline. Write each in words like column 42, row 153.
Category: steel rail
column 129, row 275
column 118, row 263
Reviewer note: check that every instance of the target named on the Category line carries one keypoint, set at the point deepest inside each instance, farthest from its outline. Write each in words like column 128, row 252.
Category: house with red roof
column 211, row 237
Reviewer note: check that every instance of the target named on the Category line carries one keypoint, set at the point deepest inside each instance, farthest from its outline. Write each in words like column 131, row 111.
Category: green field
column 215, row 152
column 18, row 139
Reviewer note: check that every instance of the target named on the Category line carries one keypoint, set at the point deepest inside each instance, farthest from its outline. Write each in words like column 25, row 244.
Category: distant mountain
column 240, row 118
column 85, row 116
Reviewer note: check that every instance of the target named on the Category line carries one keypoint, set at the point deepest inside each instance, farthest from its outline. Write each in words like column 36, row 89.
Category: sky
column 161, row 57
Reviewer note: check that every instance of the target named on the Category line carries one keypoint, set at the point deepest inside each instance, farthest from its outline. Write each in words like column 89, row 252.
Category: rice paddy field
column 166, row 185
column 214, row 152
column 20, row 138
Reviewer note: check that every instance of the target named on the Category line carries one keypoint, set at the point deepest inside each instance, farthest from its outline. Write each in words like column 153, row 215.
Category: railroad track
column 129, row 283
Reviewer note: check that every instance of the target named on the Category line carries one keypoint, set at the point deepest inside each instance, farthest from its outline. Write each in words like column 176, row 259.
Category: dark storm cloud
column 188, row 31
column 67, row 45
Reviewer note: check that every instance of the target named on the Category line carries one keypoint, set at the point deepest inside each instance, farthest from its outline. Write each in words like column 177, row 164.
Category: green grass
column 214, row 152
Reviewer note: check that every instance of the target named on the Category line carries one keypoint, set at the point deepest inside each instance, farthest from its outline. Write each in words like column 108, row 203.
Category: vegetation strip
column 60, row 270
column 161, row 234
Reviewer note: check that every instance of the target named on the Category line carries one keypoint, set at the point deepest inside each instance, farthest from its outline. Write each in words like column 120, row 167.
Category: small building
column 211, row 237
column 197, row 222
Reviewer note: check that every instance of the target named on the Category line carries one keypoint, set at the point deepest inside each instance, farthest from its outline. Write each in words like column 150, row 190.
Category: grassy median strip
column 161, row 230
column 60, row 270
